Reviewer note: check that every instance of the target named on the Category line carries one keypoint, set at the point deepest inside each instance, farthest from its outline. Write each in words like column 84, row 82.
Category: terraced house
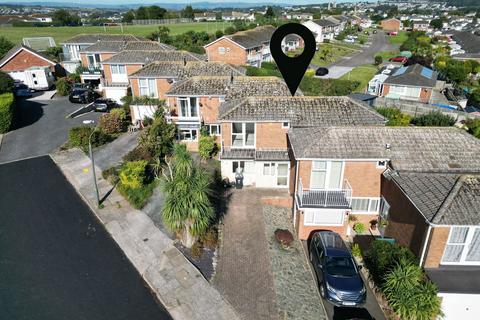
column 195, row 102
column 250, row 47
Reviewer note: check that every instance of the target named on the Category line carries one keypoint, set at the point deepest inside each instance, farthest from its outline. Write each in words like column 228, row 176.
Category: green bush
column 63, row 86
column 433, row 119
column 7, row 103
column 138, row 153
column 410, row 294
column 473, row 126
column 262, row 72
column 395, row 117
column 356, row 251
column 78, row 137
column 207, row 147
column 378, row 60
column 359, row 227
column 6, row 83
column 137, row 197
column 132, row 174
column 158, row 138
column 381, row 258
column 112, row 122
column 311, row 86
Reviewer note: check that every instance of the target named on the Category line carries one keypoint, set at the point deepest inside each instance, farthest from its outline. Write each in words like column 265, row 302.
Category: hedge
column 78, row 137
column 311, row 86
column 6, row 83
column 6, row 111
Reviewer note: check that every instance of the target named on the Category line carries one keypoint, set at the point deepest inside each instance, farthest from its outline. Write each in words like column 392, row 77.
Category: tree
column 5, row 46
column 128, row 16
column 437, row 23
column 6, row 83
column 378, row 60
column 187, row 209
column 433, row 119
column 188, row 12
column 162, row 35
column 64, row 18
column 158, row 138
column 269, row 14
column 54, row 53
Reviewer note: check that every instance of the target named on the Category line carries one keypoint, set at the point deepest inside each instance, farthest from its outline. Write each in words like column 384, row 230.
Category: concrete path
column 112, row 153
column 178, row 285
column 243, row 271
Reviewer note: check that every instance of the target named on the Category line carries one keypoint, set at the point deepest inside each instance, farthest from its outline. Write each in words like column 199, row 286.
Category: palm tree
column 187, row 210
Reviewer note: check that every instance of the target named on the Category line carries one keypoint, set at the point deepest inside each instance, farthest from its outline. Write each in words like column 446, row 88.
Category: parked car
column 393, row 33
column 349, row 40
column 321, row 72
column 21, row 90
column 338, row 275
column 400, row 59
column 103, row 105
column 81, row 95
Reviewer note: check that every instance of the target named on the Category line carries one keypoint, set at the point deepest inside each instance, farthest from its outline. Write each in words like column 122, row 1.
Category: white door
column 282, row 175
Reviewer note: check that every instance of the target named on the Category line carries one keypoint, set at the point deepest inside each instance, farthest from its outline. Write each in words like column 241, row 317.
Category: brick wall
column 436, row 246
column 271, row 136
column 83, row 59
column 425, row 95
column 24, row 60
column 234, row 54
column 304, row 172
column 405, row 223
column 209, row 108
column 135, row 88
column 162, row 87
column 107, row 73
column 386, row 90
column 364, row 177
column 227, row 134
column 131, row 68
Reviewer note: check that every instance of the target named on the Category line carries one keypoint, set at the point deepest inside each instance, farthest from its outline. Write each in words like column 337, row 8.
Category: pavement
column 243, row 271
column 57, row 261
column 41, row 128
column 111, row 154
column 176, row 283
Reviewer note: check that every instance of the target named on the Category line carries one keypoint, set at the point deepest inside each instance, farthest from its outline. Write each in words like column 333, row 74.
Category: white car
column 349, row 40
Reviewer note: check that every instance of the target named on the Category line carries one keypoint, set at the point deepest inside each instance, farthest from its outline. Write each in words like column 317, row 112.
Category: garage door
column 323, row 217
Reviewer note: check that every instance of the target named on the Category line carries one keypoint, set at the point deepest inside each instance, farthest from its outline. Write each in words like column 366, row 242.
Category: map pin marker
column 292, row 68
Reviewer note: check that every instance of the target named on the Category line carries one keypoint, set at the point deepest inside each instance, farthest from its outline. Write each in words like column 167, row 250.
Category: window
column 268, row 169
column 285, row 125
column 243, row 134
column 384, row 208
column 326, row 174
column 214, row 129
column 188, row 134
column 147, row 87
column 221, row 50
column 188, row 107
column 365, row 205
column 118, row 69
column 237, row 164
column 382, row 164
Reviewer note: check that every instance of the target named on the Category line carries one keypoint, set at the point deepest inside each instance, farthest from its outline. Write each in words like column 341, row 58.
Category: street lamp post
column 97, row 197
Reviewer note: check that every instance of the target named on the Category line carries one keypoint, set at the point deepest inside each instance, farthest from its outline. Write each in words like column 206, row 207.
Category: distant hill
column 464, row 3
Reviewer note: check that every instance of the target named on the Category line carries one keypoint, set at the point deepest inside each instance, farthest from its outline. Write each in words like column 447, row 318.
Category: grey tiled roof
column 93, row 38
column 449, row 199
column 246, row 154
column 325, row 23
column 117, row 46
column 301, row 111
column 252, row 154
column 146, row 57
column 440, row 149
column 469, row 41
column 178, row 69
column 254, row 37
column 204, row 86
column 412, row 76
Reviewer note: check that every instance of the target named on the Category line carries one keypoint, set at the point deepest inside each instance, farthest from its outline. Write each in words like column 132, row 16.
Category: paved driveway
column 41, row 128
column 57, row 261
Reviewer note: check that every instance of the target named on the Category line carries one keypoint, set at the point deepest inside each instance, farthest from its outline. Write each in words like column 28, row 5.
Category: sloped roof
column 415, row 75
column 180, row 69
column 443, row 198
column 325, row 23
column 204, row 86
column 439, row 149
column 93, row 38
column 145, row 56
column 254, row 37
column 470, row 42
column 12, row 52
column 117, row 46
column 301, row 111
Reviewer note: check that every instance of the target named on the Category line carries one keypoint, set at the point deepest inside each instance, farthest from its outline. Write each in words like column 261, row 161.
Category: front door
column 282, row 175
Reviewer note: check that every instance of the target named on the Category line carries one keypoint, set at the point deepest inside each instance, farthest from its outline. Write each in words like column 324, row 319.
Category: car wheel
column 322, row 290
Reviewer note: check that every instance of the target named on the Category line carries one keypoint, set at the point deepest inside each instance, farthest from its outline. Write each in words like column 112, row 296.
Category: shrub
column 112, row 122
column 284, row 237
column 111, row 174
column 473, row 126
column 137, row 197
column 132, row 174
column 359, row 227
column 78, row 137
column 395, row 117
column 63, row 86
column 356, row 251
column 6, row 111
column 327, row 87
column 6, row 83
column 210, row 238
column 433, row 119
column 138, row 153
column 378, row 60
column 158, row 138
column 381, row 258
column 410, row 294
column 207, row 146
column 196, row 250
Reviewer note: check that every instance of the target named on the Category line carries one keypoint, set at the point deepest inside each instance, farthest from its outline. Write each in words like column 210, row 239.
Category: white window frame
column 246, row 165
column 466, row 246
column 215, row 125
column 308, row 212
column 189, row 107
column 221, row 50
column 381, row 164
column 369, row 210
column 190, row 132
column 146, row 87
column 118, row 69
column 328, row 168
column 244, row 139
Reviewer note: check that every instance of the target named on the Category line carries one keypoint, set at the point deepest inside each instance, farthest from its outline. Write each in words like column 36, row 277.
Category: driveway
column 57, row 261
column 41, row 127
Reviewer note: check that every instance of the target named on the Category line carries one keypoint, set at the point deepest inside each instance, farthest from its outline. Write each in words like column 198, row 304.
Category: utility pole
column 94, row 177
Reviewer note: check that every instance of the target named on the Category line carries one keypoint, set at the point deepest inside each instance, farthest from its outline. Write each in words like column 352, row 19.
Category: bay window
column 243, row 135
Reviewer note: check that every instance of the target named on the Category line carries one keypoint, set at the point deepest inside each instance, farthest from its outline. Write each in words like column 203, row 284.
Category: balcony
column 325, row 198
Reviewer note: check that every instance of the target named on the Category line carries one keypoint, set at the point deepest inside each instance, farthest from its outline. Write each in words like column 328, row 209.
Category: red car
column 399, row 59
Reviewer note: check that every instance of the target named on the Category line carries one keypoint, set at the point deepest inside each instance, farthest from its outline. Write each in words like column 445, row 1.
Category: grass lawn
column 60, row 34
column 362, row 74
column 400, row 38
column 333, row 53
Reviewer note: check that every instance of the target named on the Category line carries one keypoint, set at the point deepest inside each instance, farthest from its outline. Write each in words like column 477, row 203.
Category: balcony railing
column 325, row 198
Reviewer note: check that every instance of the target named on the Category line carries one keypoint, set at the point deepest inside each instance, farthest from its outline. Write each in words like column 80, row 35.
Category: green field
column 16, row 34
column 363, row 74
column 400, row 38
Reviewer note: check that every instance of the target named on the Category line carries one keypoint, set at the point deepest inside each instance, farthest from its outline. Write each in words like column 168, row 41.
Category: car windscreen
column 340, row 266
